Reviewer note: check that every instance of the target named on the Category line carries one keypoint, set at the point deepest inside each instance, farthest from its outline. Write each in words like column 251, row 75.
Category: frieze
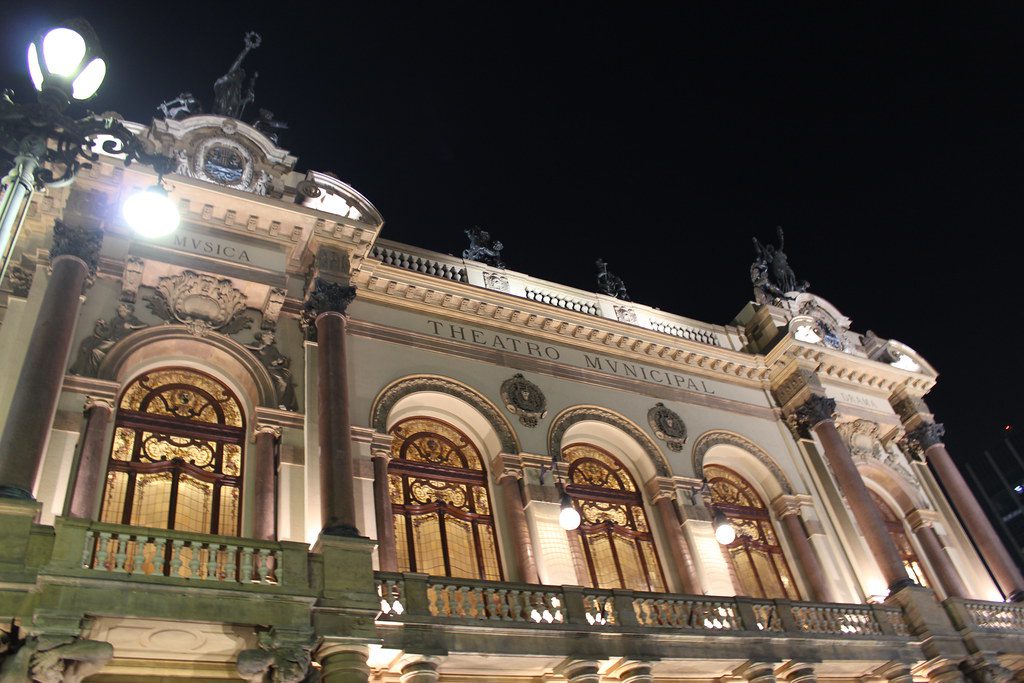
column 667, row 426
column 395, row 391
column 201, row 302
column 571, row 416
column 709, row 440
column 525, row 399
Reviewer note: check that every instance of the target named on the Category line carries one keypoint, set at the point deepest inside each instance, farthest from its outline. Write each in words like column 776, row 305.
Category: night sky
column 887, row 141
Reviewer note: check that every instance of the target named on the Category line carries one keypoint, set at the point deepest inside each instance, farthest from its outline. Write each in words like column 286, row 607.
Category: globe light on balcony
column 569, row 517
column 724, row 531
column 150, row 213
column 66, row 63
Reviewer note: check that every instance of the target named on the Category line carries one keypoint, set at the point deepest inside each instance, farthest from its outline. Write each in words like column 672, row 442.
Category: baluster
column 450, row 601
column 549, row 607
column 245, row 574
column 177, row 549
column 514, row 605
column 490, row 604
column 277, row 576
column 525, row 599
column 463, row 609
column 102, row 550
column 229, row 562
column 120, row 554
column 263, row 569
column 89, row 549
column 193, row 564
column 159, row 548
column 504, row 611
column 138, row 551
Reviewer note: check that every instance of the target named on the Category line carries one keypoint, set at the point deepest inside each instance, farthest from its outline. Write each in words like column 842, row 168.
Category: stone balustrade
column 980, row 615
column 447, row 599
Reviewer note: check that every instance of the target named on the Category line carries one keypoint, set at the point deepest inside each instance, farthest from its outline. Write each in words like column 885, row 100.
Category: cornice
column 470, row 304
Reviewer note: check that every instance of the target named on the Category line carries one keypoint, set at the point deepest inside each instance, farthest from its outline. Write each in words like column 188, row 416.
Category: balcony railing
column 409, row 596
column 115, row 550
column 978, row 615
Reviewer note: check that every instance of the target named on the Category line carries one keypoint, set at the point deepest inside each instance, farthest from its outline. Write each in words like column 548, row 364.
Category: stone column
column 420, row 669
column 664, row 503
column 795, row 671
column 265, row 474
column 815, row 414
column 580, row 671
column 343, row 663
column 940, row 562
column 92, row 458
column 74, row 255
column 895, row 672
column 788, row 510
column 325, row 307
column 635, row 672
column 926, row 440
column 387, row 554
column 757, row 672
column 515, row 515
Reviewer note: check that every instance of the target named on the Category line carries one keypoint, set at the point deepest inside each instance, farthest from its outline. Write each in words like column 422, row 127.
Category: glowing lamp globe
column 150, row 213
column 67, row 61
column 724, row 531
column 569, row 517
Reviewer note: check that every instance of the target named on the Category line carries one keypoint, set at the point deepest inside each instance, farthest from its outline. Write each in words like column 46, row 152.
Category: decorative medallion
column 625, row 315
column 224, row 161
column 201, row 302
column 495, row 281
column 667, row 426
column 525, row 399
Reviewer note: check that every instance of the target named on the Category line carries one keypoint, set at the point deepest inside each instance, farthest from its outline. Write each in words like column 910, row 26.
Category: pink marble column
column 326, row 305
column 816, row 415
column 515, row 515
column 27, row 430
column 927, row 439
column 807, row 559
column 940, row 562
column 92, row 459
column 265, row 473
column 681, row 557
column 387, row 554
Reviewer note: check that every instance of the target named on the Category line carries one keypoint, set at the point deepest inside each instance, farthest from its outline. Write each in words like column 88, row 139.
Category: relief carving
column 496, row 281
column 272, row 309
column 105, row 335
column 863, row 437
column 131, row 278
column 201, row 302
column 20, row 280
column 625, row 315
column 525, row 399
column 667, row 426
column 50, row 658
column 77, row 241
column 277, row 661
column 279, row 367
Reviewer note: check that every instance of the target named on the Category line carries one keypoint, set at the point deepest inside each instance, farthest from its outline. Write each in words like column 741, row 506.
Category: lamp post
column 46, row 148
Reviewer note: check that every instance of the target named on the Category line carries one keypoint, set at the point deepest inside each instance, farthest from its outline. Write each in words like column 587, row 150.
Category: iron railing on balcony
column 407, row 596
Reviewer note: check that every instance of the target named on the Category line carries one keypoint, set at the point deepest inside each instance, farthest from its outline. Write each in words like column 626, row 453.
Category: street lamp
column 46, row 148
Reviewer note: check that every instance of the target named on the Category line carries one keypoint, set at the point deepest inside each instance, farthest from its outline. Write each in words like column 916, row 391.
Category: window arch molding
column 392, row 401
column 726, row 448
column 637, row 448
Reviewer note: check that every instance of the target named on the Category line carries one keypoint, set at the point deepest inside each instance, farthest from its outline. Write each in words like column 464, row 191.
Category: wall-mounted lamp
column 725, row 532
column 568, row 517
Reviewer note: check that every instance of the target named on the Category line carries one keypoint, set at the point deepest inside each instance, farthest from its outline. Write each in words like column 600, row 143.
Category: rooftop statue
column 268, row 125
column 182, row 106
column 610, row 283
column 482, row 248
column 771, row 274
column 227, row 90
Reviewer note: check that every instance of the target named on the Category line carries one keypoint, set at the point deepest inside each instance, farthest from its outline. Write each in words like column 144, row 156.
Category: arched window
column 614, row 536
column 898, row 532
column 755, row 554
column 176, row 462
column 442, row 511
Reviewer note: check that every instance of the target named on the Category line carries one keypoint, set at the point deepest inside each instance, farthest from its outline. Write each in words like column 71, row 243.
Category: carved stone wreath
column 201, row 302
column 525, row 399
column 667, row 426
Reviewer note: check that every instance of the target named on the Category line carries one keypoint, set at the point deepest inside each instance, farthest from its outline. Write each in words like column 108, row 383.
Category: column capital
column 263, row 428
column 381, row 445
column 99, row 403
column 661, row 488
column 813, row 411
column 580, row 670
column 795, row 671
column 897, row 672
column 783, row 506
column 756, row 672
column 635, row 671
column 918, row 441
column 922, row 518
column 418, row 668
column 508, row 465
column 323, row 298
column 79, row 242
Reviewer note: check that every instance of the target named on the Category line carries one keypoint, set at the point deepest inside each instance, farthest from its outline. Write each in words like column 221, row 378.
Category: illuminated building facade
column 275, row 446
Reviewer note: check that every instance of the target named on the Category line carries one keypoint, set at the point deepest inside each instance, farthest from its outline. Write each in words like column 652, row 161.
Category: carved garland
column 709, row 440
column 571, row 416
column 399, row 389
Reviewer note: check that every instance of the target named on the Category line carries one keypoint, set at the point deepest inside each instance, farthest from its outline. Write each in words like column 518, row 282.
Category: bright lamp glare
column 88, row 82
column 63, row 50
column 33, row 67
column 151, row 213
column 569, row 518
column 724, row 531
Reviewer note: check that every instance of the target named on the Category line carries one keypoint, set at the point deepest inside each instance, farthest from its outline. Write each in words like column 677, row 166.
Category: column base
column 901, row 584
column 339, row 529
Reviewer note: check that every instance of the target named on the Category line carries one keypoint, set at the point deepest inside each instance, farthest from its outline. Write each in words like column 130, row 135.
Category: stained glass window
column 614, row 537
column 756, row 554
column 898, row 532
column 176, row 460
column 442, row 512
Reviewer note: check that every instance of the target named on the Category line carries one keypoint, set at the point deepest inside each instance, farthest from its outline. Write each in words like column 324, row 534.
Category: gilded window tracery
column 442, row 510
column 614, row 536
column 756, row 554
column 898, row 532
column 176, row 458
